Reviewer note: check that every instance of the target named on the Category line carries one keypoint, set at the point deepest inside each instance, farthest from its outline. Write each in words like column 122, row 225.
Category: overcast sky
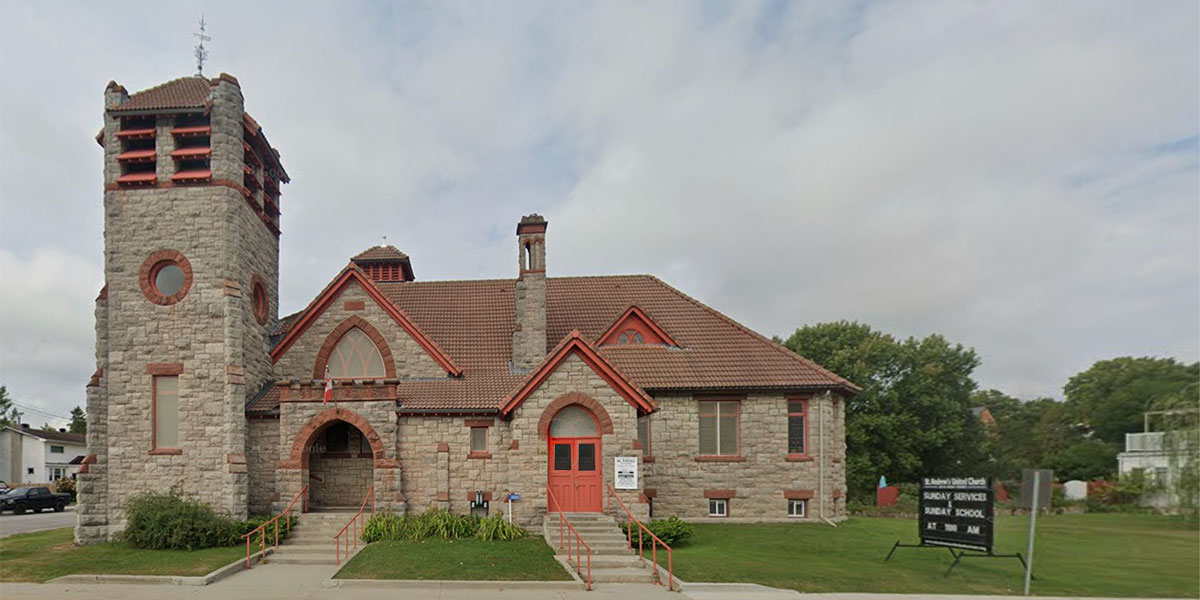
column 1019, row 176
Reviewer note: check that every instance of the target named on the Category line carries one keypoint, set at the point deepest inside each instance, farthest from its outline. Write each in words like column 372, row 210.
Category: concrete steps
column 613, row 561
column 311, row 541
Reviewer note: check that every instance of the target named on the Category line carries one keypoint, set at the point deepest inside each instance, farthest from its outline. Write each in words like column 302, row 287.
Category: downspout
column 824, row 456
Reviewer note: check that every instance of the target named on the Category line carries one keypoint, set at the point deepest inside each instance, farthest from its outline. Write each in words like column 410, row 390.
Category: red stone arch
column 355, row 321
column 567, row 399
column 308, row 434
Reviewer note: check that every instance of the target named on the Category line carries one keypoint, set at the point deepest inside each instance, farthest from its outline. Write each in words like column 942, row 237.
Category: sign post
column 957, row 513
column 1035, row 494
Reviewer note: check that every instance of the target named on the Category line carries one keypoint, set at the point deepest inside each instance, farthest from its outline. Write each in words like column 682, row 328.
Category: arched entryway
column 575, row 470
column 341, row 467
column 336, row 453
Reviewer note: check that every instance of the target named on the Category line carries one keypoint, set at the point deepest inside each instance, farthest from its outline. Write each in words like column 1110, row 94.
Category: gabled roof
column 473, row 321
column 185, row 92
column 573, row 344
column 351, row 275
column 51, row 436
column 635, row 318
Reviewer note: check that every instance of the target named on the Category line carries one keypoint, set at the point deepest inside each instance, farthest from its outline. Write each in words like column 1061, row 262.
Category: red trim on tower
column 352, row 274
column 574, row 344
column 634, row 318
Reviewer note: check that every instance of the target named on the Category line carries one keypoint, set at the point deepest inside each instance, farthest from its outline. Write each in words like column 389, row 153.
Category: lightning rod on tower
column 201, row 52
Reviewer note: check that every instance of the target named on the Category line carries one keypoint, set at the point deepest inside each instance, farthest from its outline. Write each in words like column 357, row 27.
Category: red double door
column 575, row 476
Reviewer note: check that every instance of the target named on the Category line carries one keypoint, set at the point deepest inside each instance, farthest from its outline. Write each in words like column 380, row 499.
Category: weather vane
column 201, row 52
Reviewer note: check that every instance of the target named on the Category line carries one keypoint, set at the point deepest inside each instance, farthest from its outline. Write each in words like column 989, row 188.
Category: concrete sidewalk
column 304, row 581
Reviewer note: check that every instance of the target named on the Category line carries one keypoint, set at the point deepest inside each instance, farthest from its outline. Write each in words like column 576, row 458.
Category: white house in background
column 29, row 455
column 1160, row 455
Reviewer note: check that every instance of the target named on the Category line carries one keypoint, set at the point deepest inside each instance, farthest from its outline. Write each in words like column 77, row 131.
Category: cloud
column 1021, row 177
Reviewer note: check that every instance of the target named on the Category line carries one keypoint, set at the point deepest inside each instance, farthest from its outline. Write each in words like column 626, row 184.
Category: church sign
column 957, row 512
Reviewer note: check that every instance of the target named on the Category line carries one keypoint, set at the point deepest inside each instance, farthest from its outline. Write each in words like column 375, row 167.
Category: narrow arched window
column 356, row 357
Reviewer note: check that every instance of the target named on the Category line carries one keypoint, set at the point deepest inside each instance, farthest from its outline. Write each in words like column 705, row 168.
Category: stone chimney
column 529, row 339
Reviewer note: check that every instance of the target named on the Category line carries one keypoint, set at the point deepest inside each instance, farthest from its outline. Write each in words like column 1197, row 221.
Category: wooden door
column 575, row 474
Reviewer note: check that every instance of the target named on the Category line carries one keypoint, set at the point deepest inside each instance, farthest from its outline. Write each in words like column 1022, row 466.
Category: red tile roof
column 185, row 92
column 382, row 253
column 473, row 322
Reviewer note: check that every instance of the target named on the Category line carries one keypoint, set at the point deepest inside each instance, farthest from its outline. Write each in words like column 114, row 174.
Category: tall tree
column 9, row 415
column 78, row 420
column 913, row 416
column 1111, row 395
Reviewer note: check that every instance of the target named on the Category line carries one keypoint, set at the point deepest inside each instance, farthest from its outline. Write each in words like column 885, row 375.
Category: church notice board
column 957, row 512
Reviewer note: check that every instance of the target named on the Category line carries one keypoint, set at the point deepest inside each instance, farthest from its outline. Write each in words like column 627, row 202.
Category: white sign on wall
column 626, row 468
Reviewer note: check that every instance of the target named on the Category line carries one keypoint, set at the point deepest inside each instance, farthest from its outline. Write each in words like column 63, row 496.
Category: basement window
column 718, row 507
column 796, row 508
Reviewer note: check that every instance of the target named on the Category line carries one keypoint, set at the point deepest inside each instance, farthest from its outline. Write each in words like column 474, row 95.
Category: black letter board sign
column 957, row 512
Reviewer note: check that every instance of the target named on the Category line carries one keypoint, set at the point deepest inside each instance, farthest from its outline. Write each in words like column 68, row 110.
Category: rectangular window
column 718, row 507
column 166, row 411
column 643, row 425
column 797, row 426
column 587, row 457
column 56, row 449
column 479, row 439
column 719, row 427
column 796, row 508
column 562, row 457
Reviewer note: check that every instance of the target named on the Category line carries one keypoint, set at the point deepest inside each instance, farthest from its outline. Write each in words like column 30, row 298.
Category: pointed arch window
column 356, row 357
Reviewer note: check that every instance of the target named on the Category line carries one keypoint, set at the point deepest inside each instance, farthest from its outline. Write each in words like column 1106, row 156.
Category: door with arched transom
column 575, row 476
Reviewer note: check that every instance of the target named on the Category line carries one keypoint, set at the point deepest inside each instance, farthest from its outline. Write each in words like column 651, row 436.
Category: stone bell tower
column 191, row 264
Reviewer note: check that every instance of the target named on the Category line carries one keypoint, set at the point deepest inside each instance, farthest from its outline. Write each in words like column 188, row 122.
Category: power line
column 43, row 412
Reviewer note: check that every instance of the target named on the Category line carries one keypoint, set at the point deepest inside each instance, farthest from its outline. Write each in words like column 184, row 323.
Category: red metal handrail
column 563, row 522
column 301, row 496
column 357, row 531
column 653, row 545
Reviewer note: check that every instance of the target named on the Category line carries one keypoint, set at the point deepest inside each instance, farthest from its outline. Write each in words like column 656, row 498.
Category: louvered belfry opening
column 192, row 134
column 139, row 156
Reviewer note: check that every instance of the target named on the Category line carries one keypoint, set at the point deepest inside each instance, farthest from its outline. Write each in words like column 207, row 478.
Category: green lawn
column 1084, row 555
column 527, row 559
column 44, row 555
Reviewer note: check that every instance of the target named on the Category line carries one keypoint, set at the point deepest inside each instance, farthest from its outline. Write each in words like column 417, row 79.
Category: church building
column 532, row 393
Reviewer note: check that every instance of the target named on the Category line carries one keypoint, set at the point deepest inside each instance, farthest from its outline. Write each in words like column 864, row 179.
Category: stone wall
column 298, row 362
column 762, row 472
column 262, row 456
column 439, row 471
column 341, row 481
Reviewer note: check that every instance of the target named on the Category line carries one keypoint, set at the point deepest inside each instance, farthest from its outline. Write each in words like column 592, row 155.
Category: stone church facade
column 442, row 394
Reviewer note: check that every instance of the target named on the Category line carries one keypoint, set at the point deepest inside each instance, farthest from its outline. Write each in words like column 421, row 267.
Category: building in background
column 1161, row 456
column 29, row 455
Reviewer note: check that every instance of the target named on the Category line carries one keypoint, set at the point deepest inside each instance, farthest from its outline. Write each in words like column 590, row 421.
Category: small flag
column 328, row 387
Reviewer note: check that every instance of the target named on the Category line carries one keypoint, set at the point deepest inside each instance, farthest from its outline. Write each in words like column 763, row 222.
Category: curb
column 211, row 578
column 452, row 584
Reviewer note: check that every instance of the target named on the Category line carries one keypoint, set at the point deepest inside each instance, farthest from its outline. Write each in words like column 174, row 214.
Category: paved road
column 47, row 519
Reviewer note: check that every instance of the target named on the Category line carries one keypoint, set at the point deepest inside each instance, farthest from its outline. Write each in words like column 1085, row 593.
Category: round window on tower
column 166, row 277
column 258, row 300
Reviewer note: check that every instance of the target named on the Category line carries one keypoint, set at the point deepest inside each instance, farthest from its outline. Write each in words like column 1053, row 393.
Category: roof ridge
column 760, row 337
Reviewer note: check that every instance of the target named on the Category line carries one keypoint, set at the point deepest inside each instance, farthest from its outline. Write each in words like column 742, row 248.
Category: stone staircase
column 613, row 561
column 311, row 541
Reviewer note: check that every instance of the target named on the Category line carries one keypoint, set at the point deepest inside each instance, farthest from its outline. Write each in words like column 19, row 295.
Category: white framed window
column 56, row 449
column 797, row 508
column 718, row 507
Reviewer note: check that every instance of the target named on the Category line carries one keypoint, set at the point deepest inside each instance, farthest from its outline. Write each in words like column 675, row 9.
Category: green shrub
column 438, row 524
column 241, row 528
column 673, row 532
column 160, row 521
column 496, row 528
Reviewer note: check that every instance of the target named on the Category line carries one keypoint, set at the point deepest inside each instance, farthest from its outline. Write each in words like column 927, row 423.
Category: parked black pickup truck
column 33, row 498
